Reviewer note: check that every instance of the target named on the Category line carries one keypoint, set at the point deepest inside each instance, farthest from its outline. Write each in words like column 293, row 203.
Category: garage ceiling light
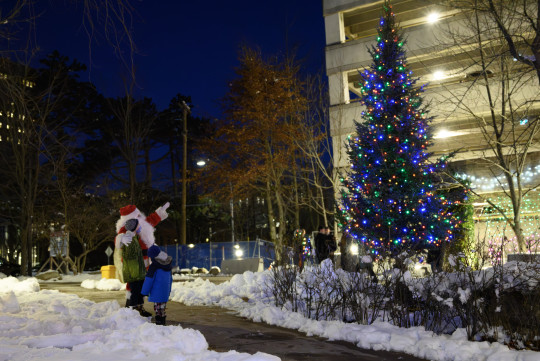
column 433, row 17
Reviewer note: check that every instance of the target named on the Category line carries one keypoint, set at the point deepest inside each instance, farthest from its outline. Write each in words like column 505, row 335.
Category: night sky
column 189, row 47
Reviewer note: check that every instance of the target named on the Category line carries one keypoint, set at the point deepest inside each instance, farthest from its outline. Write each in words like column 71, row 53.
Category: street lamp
column 201, row 163
column 186, row 110
column 232, row 214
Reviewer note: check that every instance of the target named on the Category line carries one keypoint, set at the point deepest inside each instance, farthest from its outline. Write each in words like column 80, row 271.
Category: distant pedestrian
column 325, row 244
column 321, row 251
column 158, row 282
column 330, row 243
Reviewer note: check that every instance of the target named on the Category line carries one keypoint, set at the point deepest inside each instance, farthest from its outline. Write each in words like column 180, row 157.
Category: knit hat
column 155, row 253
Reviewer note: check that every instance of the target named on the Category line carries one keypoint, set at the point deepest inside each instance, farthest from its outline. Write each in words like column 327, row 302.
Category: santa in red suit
column 144, row 234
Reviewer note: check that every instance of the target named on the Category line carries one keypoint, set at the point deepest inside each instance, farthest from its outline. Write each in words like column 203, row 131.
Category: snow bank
column 246, row 295
column 49, row 325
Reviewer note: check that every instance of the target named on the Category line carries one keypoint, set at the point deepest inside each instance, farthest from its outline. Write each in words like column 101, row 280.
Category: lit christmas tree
column 390, row 200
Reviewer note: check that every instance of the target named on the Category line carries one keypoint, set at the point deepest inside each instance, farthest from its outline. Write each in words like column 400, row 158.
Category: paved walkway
column 225, row 331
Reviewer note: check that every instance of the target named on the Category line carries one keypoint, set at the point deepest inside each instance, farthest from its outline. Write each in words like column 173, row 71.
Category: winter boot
column 160, row 320
column 145, row 313
column 142, row 311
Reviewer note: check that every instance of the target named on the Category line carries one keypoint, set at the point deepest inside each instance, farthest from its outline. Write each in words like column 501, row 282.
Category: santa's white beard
column 147, row 232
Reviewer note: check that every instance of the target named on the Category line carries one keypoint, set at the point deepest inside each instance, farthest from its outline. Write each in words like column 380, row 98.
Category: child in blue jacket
column 158, row 282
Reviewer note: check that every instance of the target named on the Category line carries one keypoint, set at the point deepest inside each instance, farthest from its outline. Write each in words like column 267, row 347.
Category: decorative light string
column 499, row 237
column 484, row 184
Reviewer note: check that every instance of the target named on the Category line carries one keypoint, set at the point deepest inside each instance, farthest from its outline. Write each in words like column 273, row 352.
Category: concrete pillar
column 334, row 29
column 338, row 87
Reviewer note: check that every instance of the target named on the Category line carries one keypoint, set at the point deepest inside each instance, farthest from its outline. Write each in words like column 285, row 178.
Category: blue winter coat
column 157, row 284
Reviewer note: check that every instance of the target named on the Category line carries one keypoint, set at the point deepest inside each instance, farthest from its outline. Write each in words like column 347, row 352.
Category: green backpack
column 133, row 267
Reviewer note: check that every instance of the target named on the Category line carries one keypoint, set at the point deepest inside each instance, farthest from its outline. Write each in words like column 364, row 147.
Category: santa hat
column 127, row 212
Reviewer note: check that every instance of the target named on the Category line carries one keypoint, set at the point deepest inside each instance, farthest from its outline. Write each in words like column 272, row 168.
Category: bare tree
column 499, row 95
column 26, row 107
column 517, row 23
column 26, row 103
column 89, row 224
column 129, row 126
column 315, row 151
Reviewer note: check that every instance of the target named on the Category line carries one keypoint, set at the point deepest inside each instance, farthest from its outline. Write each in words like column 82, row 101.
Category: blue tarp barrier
column 211, row 254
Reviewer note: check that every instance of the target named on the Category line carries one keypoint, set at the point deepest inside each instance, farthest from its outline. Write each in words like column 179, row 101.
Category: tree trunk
column 281, row 217
column 271, row 222
column 519, row 233
column 132, row 164
column 148, row 166
column 296, row 202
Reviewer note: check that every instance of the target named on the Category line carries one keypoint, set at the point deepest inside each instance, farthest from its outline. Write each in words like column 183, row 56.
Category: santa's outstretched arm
column 159, row 215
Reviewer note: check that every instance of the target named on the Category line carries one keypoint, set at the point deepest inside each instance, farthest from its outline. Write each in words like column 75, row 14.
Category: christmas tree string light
column 390, row 198
column 300, row 237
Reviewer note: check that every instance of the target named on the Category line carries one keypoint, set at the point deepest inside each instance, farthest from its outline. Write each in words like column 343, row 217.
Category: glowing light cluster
column 301, row 238
column 500, row 239
column 492, row 183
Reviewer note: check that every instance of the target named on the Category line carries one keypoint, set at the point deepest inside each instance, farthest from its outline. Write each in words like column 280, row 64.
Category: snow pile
column 49, row 325
column 104, row 284
column 12, row 284
column 241, row 288
column 246, row 295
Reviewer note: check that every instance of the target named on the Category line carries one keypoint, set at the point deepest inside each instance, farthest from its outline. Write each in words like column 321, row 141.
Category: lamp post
column 232, row 214
column 186, row 110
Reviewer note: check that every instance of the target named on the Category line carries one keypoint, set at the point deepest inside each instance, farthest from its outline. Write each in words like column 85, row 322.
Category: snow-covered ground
column 50, row 325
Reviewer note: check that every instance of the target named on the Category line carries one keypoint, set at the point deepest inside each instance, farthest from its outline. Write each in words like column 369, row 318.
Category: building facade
column 443, row 53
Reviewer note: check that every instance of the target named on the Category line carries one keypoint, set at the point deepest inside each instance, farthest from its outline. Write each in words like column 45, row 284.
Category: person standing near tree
column 325, row 244
column 321, row 250
column 331, row 244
